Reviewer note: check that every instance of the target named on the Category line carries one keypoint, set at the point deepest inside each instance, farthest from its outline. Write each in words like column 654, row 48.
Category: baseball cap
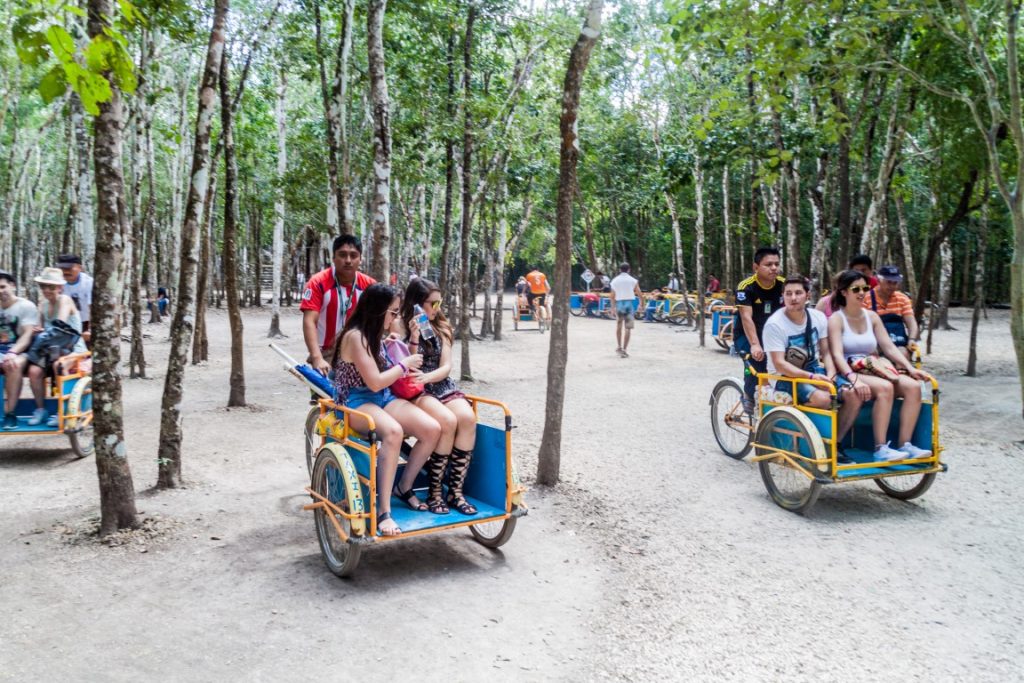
column 889, row 273
column 68, row 260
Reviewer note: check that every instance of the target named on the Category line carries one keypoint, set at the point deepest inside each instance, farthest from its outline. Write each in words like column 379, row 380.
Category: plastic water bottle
column 423, row 322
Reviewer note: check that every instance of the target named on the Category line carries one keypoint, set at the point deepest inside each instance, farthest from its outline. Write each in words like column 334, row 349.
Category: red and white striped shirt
column 334, row 302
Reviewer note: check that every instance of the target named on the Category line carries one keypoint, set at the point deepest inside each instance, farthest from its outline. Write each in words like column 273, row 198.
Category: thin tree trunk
column 727, row 272
column 945, row 285
column 117, row 492
column 236, row 382
column 549, row 457
column 979, row 283
column 169, row 454
column 908, row 252
column 698, row 181
column 200, row 342
column 449, row 173
column 85, row 228
column 282, row 168
column 465, row 372
column 332, row 125
column 381, row 140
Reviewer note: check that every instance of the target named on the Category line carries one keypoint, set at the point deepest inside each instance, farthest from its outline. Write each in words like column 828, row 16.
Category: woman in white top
column 53, row 305
column 855, row 331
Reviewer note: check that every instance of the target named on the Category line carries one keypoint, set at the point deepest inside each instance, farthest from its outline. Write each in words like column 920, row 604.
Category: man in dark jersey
column 757, row 297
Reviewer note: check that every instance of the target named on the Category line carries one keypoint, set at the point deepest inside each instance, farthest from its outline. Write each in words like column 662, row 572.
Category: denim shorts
column 357, row 396
column 803, row 389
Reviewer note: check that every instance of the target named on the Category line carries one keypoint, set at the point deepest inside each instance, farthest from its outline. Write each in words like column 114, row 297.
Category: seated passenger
column 441, row 398
column 796, row 340
column 362, row 375
column 51, row 342
column 855, row 335
column 894, row 308
column 18, row 318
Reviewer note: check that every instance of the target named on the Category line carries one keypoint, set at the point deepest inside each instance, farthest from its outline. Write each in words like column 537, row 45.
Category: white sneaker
column 883, row 452
column 913, row 451
column 39, row 416
column 53, row 421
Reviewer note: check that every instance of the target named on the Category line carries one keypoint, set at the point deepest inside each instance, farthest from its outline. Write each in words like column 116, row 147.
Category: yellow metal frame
column 73, row 362
column 834, row 468
column 343, row 434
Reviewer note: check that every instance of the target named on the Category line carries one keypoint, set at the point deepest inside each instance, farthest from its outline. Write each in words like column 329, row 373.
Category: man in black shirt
column 757, row 297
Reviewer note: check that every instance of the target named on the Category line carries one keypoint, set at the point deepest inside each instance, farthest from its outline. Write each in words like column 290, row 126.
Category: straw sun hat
column 50, row 276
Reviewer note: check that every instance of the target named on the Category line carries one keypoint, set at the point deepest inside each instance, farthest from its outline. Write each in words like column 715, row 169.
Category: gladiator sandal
column 460, row 468
column 436, row 467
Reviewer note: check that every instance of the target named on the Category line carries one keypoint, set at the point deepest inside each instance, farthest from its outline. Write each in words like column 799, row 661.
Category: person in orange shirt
column 537, row 293
column 894, row 308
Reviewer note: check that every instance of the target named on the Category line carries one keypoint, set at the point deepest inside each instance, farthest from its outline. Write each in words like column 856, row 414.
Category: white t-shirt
column 81, row 293
column 623, row 285
column 21, row 314
column 781, row 333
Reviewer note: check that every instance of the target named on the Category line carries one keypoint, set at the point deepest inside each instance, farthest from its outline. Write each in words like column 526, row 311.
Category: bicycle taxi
column 342, row 464
column 796, row 453
column 68, row 398
column 724, row 319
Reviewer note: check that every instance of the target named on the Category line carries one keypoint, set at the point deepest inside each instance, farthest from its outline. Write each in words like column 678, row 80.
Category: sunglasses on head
column 858, row 290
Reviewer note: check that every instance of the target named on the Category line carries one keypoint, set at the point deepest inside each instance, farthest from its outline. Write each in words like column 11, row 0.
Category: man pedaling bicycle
column 537, row 293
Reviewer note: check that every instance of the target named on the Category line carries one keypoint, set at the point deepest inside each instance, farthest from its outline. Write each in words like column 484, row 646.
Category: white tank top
column 857, row 343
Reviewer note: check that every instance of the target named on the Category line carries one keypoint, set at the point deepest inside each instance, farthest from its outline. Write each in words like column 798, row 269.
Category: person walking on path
column 757, row 297
column 330, row 298
column 625, row 292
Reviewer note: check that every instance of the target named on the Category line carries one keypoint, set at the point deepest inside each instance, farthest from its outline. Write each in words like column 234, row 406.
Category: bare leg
column 618, row 334
column 390, row 434
column 437, row 410
column 465, row 436
column 882, row 392
column 420, row 425
column 625, row 336
column 12, row 380
column 848, row 412
column 910, row 390
column 37, row 380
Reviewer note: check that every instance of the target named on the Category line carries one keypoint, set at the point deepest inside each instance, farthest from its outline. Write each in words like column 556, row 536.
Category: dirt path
column 657, row 558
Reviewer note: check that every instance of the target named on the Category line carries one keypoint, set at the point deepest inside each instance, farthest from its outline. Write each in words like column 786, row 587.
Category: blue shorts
column 624, row 308
column 360, row 395
column 803, row 389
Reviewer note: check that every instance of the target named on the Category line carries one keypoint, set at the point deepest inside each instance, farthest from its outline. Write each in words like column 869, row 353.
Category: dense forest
column 216, row 149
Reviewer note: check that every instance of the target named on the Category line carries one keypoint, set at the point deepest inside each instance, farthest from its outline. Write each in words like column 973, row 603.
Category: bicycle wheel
column 80, row 402
column 792, row 486
column 334, row 478
column 733, row 428
column 677, row 314
column 724, row 336
column 494, row 534
column 311, row 438
column 906, row 486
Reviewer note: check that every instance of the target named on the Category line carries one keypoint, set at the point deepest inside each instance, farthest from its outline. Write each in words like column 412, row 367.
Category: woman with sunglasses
column 441, row 398
column 855, row 331
column 362, row 375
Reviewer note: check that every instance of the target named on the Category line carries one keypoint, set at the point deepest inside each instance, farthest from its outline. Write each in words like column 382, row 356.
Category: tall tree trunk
column 381, row 140
column 169, row 453
column 945, row 285
column 236, row 392
column 83, row 193
column 177, row 187
column 979, row 283
column 200, row 342
column 727, row 272
column 282, row 168
column 908, row 252
column 330, row 113
column 819, row 235
column 117, row 492
column 339, row 110
column 550, row 456
column 449, row 174
column 465, row 372
column 698, row 182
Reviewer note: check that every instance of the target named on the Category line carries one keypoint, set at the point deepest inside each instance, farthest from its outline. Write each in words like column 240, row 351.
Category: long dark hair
column 368, row 319
column 417, row 293
column 843, row 282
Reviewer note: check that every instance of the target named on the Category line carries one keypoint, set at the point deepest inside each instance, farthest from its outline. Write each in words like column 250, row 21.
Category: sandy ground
column 657, row 558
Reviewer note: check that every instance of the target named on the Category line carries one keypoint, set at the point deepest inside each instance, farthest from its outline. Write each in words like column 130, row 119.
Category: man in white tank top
column 625, row 291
